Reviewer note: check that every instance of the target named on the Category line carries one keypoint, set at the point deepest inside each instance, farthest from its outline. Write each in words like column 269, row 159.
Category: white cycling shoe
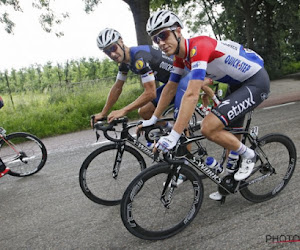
column 216, row 196
column 246, row 169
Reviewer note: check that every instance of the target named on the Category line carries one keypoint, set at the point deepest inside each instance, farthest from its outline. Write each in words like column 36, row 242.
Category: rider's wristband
column 174, row 135
column 153, row 119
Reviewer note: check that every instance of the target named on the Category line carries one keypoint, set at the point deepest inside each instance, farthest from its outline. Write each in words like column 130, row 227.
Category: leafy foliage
column 45, row 77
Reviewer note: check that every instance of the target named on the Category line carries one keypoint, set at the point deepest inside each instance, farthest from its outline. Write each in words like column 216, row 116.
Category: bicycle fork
column 166, row 196
column 118, row 159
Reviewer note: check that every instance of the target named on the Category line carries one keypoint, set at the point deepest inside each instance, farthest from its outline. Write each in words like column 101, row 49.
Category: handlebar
column 104, row 126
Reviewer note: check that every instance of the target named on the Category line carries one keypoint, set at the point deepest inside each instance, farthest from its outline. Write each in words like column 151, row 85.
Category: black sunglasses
column 111, row 49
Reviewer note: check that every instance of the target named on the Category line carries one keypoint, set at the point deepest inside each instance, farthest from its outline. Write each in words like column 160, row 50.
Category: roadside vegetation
column 63, row 109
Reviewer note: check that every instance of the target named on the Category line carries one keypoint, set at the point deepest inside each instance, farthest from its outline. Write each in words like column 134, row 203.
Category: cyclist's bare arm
column 209, row 93
column 147, row 96
column 188, row 104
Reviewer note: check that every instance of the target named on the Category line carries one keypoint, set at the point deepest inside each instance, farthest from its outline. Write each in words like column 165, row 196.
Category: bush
column 61, row 110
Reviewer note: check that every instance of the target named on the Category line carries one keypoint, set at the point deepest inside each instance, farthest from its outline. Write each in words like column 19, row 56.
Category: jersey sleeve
column 123, row 71
column 201, row 50
column 143, row 68
column 178, row 70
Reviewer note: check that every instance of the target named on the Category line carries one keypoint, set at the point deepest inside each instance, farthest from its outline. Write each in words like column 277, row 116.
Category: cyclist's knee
column 210, row 125
column 146, row 112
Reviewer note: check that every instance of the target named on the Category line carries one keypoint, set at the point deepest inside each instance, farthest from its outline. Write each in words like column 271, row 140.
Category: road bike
column 154, row 207
column 107, row 171
column 23, row 153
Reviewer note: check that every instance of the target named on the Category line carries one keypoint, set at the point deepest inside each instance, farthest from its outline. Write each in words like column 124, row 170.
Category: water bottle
column 233, row 158
column 214, row 165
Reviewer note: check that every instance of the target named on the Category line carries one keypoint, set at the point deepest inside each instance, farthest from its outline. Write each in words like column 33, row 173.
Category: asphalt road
column 49, row 211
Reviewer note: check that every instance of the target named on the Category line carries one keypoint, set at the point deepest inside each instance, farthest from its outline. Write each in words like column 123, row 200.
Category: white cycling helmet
column 162, row 19
column 107, row 37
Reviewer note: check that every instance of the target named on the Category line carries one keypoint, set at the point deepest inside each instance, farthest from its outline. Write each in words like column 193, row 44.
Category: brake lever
column 93, row 123
column 155, row 155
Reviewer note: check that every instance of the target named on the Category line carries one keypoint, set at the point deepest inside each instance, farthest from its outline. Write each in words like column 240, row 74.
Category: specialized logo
column 237, row 64
column 240, row 107
column 139, row 64
column 223, row 103
column 193, row 51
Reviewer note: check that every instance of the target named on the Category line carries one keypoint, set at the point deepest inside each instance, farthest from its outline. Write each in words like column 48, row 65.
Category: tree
column 48, row 18
column 141, row 11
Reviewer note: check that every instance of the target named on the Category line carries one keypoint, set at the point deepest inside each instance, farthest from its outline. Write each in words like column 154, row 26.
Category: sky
column 30, row 44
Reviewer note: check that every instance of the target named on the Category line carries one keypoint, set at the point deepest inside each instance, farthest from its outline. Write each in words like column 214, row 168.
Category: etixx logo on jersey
column 139, row 64
column 193, row 51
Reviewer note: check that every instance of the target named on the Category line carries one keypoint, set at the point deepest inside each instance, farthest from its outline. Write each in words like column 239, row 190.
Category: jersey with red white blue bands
column 149, row 62
column 224, row 61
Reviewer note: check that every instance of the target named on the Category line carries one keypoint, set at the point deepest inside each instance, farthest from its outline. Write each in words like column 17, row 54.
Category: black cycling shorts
column 242, row 99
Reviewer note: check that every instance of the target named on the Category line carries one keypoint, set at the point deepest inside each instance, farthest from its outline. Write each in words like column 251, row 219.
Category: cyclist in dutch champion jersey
column 145, row 60
column 224, row 61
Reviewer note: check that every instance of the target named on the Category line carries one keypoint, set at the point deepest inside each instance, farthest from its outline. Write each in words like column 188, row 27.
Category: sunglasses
column 162, row 36
column 111, row 49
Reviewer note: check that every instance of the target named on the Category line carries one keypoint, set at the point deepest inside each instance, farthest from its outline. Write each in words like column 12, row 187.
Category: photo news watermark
column 283, row 238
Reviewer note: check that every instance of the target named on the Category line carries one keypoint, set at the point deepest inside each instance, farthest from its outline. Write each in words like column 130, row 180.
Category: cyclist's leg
column 240, row 102
column 148, row 109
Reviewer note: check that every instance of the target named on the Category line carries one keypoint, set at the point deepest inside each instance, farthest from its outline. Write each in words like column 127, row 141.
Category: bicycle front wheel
column 101, row 182
column 24, row 154
column 278, row 160
column 148, row 215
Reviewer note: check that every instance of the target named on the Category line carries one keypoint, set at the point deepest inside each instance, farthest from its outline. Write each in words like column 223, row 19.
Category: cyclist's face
column 166, row 41
column 114, row 52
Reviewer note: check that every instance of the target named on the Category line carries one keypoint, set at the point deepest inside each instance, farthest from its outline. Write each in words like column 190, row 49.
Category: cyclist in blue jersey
column 225, row 61
column 3, row 169
column 148, row 62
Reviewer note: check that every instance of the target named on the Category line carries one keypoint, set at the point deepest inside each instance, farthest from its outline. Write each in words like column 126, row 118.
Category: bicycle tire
column 141, row 204
column 27, row 157
column 282, row 155
column 95, row 175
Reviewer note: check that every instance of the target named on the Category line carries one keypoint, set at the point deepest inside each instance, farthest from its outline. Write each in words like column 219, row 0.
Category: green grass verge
column 63, row 110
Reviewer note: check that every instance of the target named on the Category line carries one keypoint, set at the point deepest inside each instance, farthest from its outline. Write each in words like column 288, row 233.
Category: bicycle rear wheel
column 24, row 154
column 279, row 163
column 96, row 173
column 147, row 217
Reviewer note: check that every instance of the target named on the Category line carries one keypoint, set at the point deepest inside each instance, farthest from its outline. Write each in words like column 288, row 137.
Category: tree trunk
column 141, row 12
